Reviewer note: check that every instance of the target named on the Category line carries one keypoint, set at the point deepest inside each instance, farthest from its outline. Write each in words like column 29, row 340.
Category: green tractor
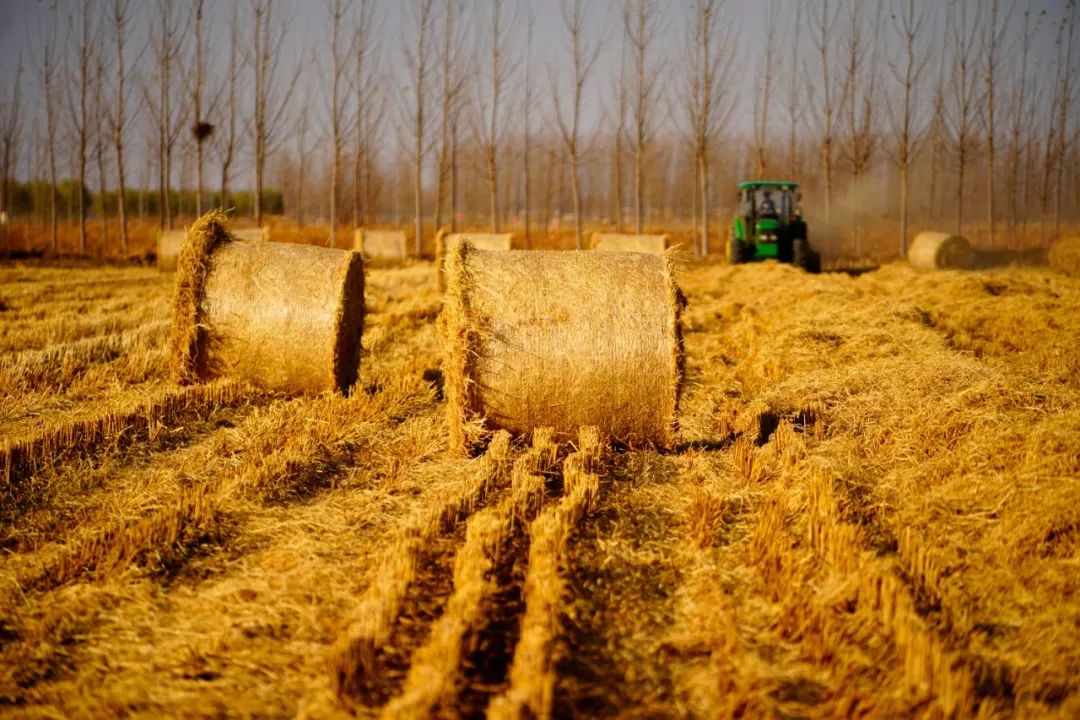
column 769, row 225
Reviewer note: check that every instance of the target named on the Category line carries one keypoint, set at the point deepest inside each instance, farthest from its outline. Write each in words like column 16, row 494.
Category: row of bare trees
column 903, row 111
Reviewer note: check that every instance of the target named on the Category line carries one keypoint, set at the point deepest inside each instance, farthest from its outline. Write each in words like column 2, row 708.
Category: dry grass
column 870, row 509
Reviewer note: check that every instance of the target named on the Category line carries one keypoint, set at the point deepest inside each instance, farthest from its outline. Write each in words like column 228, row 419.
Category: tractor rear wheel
column 734, row 251
column 804, row 257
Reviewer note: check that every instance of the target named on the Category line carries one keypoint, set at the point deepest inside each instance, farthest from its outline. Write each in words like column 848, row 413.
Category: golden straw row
column 435, row 670
column 532, row 672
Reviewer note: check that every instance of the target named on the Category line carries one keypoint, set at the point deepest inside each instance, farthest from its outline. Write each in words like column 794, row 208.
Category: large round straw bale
column 280, row 316
column 169, row 243
column 564, row 340
column 630, row 243
column 1065, row 254
column 938, row 251
column 381, row 243
column 258, row 234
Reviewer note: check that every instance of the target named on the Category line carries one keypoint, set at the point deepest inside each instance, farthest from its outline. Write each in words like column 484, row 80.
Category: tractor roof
column 753, row 184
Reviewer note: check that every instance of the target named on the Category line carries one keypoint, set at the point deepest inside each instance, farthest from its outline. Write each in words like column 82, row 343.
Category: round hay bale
column 381, row 243
column 1065, row 254
column 169, row 243
column 939, row 251
column 630, row 243
column 259, row 234
column 563, row 340
column 481, row 241
column 280, row 316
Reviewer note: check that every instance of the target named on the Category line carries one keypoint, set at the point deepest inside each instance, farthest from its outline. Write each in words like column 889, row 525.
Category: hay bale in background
column 280, row 316
column 564, row 340
column 169, row 243
column 381, row 243
column 1065, row 254
column 258, row 234
column 939, row 251
column 630, row 243
column 481, row 241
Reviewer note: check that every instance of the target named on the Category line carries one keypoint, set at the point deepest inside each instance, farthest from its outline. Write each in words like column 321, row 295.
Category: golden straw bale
column 281, row 316
column 479, row 240
column 561, row 339
column 938, row 251
column 169, row 243
column 630, row 243
column 381, row 243
column 257, row 234
column 1065, row 254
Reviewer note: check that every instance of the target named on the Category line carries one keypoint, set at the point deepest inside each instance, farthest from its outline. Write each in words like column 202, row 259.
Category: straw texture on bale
column 938, row 251
column 1065, row 254
column 381, row 243
column 630, row 243
column 481, row 241
column 169, row 243
column 563, row 340
column 280, row 316
column 259, row 234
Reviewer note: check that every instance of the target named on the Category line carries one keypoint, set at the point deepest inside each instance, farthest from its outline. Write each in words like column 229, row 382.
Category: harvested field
column 871, row 508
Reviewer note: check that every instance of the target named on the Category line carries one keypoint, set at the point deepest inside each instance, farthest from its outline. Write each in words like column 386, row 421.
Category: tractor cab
column 769, row 225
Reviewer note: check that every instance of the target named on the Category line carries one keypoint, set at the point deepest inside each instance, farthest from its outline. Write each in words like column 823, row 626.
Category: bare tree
column 271, row 92
column 994, row 38
column 100, row 114
column 965, row 101
column 1019, row 122
column 300, row 132
column 527, row 102
column 859, row 94
column 229, row 138
column 47, row 67
column 336, row 10
column 795, row 107
column 823, row 27
column 908, row 23
column 710, row 52
column 118, row 119
column 165, row 41
column 201, row 129
column 763, row 90
column 487, row 119
column 452, row 79
column 416, row 59
column 1065, row 99
column 583, row 57
column 641, row 22
column 368, row 112
column 618, row 107
column 10, row 127
column 84, row 46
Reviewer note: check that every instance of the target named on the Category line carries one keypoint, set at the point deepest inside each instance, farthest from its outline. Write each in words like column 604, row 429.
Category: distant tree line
column 961, row 114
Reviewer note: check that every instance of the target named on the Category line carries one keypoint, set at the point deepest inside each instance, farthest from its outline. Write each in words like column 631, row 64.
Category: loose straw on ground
column 280, row 316
column 561, row 339
column 939, row 251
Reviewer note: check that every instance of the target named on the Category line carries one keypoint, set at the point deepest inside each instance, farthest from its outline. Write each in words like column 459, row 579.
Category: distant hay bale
column 939, row 251
column 630, row 243
column 259, row 234
column 1065, row 254
column 564, row 340
column 381, row 243
column 479, row 240
column 169, row 243
column 280, row 316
